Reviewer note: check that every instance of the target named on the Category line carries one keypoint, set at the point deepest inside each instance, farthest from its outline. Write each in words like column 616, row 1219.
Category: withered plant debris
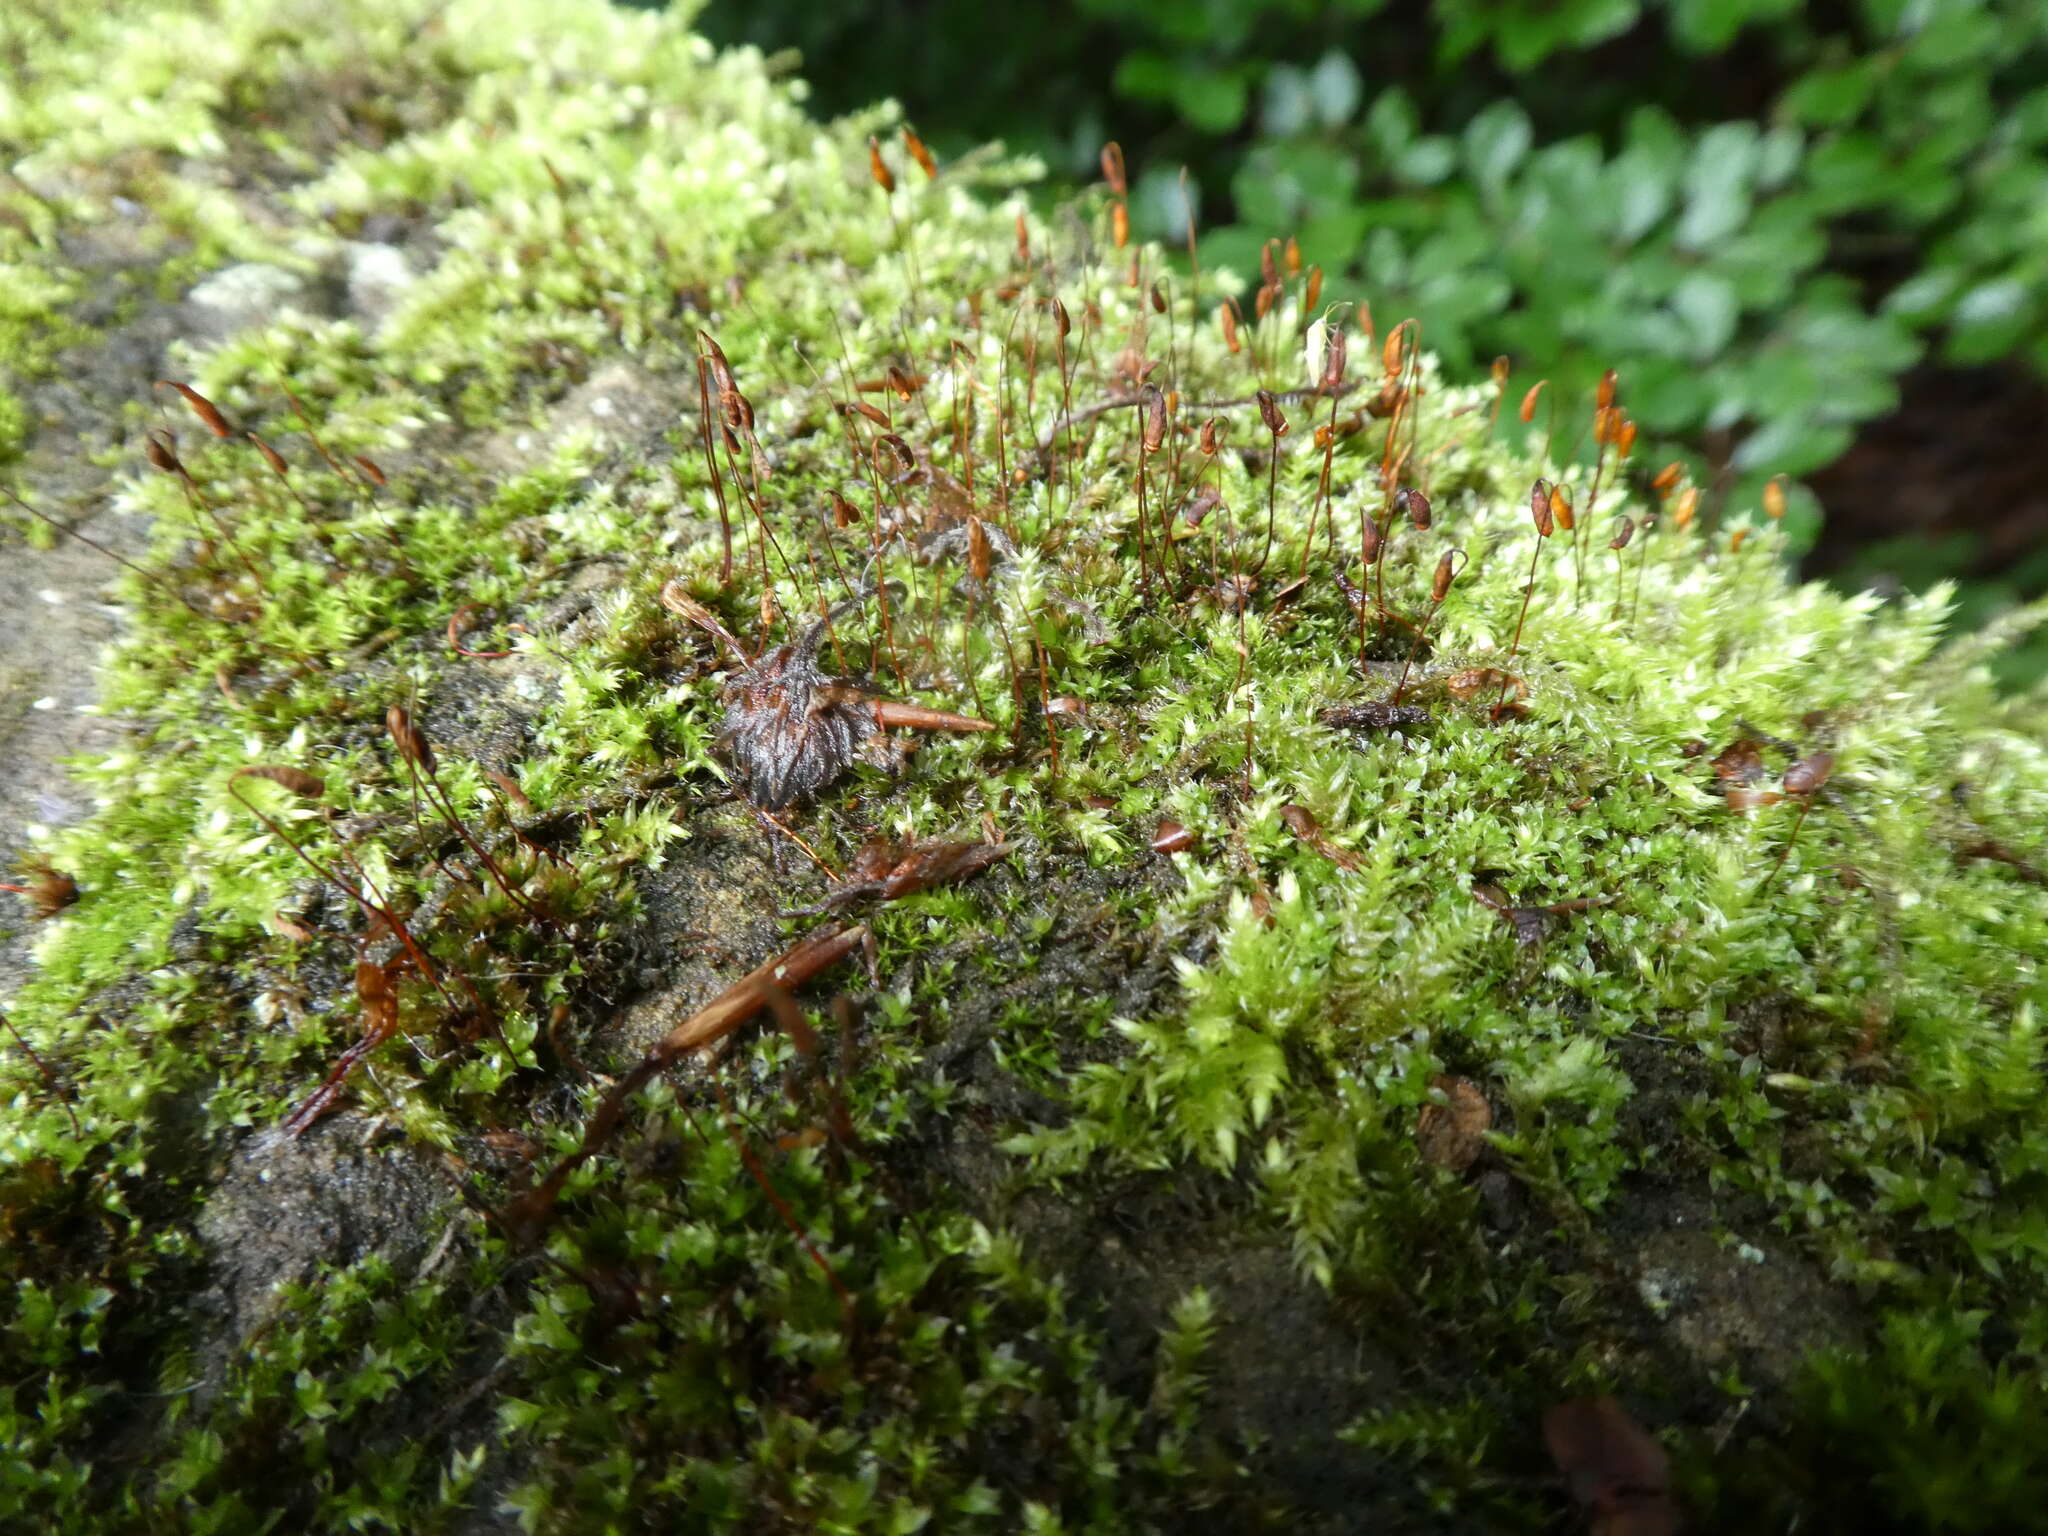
column 1373, row 716
column 1998, row 853
column 48, row 889
column 1740, row 762
column 791, row 728
column 1453, row 1134
column 1530, row 923
column 1474, row 681
column 1810, row 774
column 1739, row 769
column 1618, row 1474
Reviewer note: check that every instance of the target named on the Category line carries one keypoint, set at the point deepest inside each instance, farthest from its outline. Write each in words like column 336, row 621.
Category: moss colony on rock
column 1649, row 1005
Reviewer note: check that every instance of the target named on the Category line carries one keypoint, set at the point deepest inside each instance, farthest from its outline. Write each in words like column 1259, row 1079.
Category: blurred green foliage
column 1759, row 213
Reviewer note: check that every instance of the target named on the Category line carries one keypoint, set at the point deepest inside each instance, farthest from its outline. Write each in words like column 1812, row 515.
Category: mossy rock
column 1567, row 1036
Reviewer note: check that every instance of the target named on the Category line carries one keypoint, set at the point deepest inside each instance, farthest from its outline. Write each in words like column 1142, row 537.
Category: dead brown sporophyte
column 894, row 870
column 457, row 624
column 424, row 771
column 1624, row 532
column 1327, row 360
column 885, row 870
column 57, row 1090
column 374, row 979
column 160, row 447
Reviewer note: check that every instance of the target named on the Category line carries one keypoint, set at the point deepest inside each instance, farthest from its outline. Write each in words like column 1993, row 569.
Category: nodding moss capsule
column 1774, row 498
column 1446, row 572
column 271, row 456
column 919, row 153
column 411, row 741
column 1269, row 412
column 1113, row 168
column 158, row 447
column 1540, row 508
column 308, row 786
column 207, row 412
column 1808, row 774
column 1155, row 418
column 1399, row 347
column 1561, row 508
column 1336, row 353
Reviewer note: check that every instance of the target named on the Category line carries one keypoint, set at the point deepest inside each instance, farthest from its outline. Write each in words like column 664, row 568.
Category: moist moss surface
column 1564, row 1039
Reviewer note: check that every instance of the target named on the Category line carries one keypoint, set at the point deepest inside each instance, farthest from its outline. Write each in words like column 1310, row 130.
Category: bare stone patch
column 340, row 1193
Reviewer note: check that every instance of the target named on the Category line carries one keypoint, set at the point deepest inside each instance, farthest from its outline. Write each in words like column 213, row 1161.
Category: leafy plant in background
column 1761, row 214
column 1688, row 262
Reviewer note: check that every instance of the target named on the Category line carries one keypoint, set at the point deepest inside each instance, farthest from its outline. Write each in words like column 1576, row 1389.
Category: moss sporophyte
column 1304, row 1002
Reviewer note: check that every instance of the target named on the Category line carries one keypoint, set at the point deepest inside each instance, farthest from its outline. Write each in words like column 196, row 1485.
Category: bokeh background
column 1811, row 239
